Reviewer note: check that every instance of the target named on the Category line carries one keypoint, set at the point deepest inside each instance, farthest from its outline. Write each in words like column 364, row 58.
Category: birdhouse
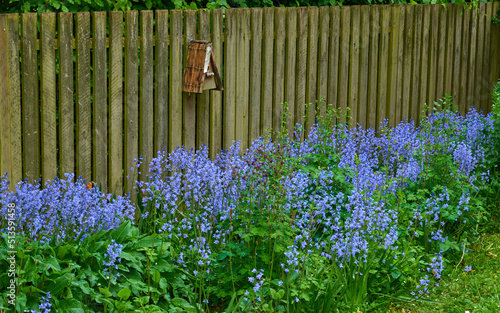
column 201, row 71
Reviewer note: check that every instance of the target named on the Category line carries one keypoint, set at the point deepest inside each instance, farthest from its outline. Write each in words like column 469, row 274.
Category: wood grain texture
column 485, row 81
column 354, row 65
column 425, row 58
column 457, row 52
column 301, row 70
column 146, row 91
column 415, row 104
column 255, row 74
column 323, row 45
column 371, row 106
column 494, row 52
column 291, row 67
column 433, row 55
column 48, row 95
column 400, row 56
column 161, row 103
column 407, row 53
column 392, row 71
column 66, row 90
column 175, row 82
column 478, row 79
column 100, row 105
column 5, row 146
column 115, row 115
column 216, row 96
column 448, row 66
column 266, row 116
column 464, row 73
column 441, row 57
column 312, row 65
column 383, row 64
column 131, row 101
column 364, row 72
column 203, row 100
column 470, row 99
column 30, row 103
column 16, row 160
column 188, row 99
column 229, row 109
column 279, row 68
column 242, row 77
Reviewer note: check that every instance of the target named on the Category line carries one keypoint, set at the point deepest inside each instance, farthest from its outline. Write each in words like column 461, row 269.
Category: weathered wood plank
column 203, row 100
column 392, row 71
column 131, row 101
column 230, row 78
column 345, row 25
column 115, row 102
column 383, row 64
column 12, row 29
column 188, row 99
column 425, row 58
column 161, row 82
column 241, row 107
column 66, row 105
column 407, row 53
column 279, row 67
column 175, row 82
column 301, row 71
column 255, row 74
column 216, row 96
column 371, row 105
column 290, row 67
column 30, row 109
column 417, row 66
column 354, row 65
column 48, row 95
column 462, row 98
column 441, row 58
column 364, row 71
column 485, row 80
column 477, row 88
column 323, row 45
column 266, row 117
column 100, row 114
column 83, row 107
column 448, row 67
column 457, row 52
column 5, row 147
column 146, row 91
column 472, row 60
column 494, row 52
column 399, row 91
column 433, row 55
column 312, row 65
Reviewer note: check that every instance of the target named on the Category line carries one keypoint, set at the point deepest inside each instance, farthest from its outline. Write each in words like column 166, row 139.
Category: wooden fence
column 109, row 85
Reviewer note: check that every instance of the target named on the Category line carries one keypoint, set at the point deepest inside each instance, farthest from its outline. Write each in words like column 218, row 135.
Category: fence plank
column 399, row 93
column 115, row 101
column 462, row 98
column 354, row 65
column 441, row 59
column 407, row 52
column 100, row 114
column 417, row 66
column 230, row 78
column 290, row 66
column 301, row 72
column 255, row 74
column 364, row 51
column 333, row 57
column 425, row 58
column 485, row 81
column 472, row 59
column 448, row 67
column 242, row 58
column 48, row 95
column 203, row 100
column 494, row 52
column 161, row 82
column 30, row 109
column 216, row 96
column 345, row 24
column 392, row 71
column 433, row 55
column 477, row 88
column 146, row 91
column 383, row 64
column 371, row 105
column 312, row 64
column 267, row 69
column 66, row 107
column 12, row 28
column 279, row 67
column 131, row 101
column 188, row 99
column 83, row 107
column 457, row 50
column 5, row 147
column 175, row 82
column 324, row 36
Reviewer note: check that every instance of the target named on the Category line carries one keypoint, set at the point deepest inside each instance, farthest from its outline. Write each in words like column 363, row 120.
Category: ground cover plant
column 349, row 219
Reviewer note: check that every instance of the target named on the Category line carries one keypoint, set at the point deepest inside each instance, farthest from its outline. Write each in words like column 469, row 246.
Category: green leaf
column 51, row 261
column 156, row 276
column 124, row 294
column 275, row 295
column 181, row 303
column 58, row 285
column 70, row 306
column 105, row 292
column 121, row 232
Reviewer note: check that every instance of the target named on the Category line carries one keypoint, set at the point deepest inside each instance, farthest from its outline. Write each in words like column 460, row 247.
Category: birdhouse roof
column 199, row 60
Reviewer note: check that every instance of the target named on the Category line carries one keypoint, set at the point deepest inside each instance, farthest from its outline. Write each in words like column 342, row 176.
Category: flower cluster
column 113, row 254
column 45, row 305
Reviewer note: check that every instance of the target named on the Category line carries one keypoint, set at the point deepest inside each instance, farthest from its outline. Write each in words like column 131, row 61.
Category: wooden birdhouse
column 201, row 71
